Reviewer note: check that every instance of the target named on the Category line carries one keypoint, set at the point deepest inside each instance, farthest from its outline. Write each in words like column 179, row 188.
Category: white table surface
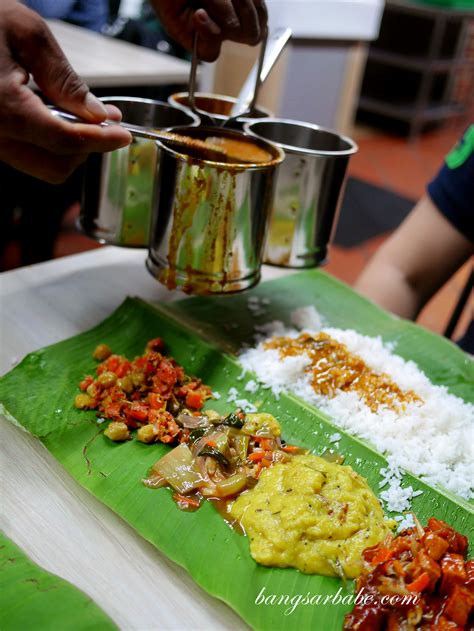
column 104, row 61
column 58, row 523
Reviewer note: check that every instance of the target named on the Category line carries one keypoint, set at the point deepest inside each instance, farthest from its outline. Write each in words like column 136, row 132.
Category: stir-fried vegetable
column 229, row 452
column 261, row 425
column 178, row 469
column 426, row 571
column 233, row 420
column 232, row 486
column 152, row 393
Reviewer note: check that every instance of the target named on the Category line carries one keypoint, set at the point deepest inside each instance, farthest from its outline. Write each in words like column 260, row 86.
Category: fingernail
column 201, row 16
column 204, row 20
column 113, row 113
column 128, row 141
column 94, row 106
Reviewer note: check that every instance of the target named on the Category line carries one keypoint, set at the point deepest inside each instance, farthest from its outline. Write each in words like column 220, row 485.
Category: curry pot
column 210, row 218
column 214, row 109
column 309, row 190
column 118, row 186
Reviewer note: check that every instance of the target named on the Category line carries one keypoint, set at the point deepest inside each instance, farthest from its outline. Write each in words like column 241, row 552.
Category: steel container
column 118, row 186
column 309, row 190
column 214, row 109
column 210, row 218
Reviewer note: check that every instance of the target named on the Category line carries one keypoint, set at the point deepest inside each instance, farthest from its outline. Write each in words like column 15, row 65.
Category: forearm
column 414, row 262
column 387, row 286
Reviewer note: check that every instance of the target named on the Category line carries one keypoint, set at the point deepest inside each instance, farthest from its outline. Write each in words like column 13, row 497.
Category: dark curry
column 334, row 368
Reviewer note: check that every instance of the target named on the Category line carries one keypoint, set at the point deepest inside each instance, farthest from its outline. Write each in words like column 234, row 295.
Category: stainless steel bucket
column 210, row 218
column 118, row 186
column 214, row 109
column 309, row 190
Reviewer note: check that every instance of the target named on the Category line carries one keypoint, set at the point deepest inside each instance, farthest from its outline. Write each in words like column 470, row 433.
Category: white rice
column 306, row 318
column 257, row 306
column 251, row 386
column 405, row 521
column 243, row 404
column 432, row 439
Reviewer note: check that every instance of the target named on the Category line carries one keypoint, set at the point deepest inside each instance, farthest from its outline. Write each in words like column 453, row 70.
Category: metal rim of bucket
column 293, row 149
column 136, row 99
column 231, row 166
column 220, row 97
column 155, row 268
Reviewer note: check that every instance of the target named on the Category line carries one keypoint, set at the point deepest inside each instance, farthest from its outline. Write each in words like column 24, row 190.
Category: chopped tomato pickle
column 418, row 580
column 194, row 400
column 153, row 389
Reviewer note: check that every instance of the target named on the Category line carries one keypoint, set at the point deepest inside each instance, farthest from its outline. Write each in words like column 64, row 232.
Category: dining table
column 114, row 541
column 103, row 61
column 60, row 526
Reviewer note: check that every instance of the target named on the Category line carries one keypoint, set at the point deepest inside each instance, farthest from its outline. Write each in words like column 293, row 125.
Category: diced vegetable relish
column 427, row 565
column 147, row 393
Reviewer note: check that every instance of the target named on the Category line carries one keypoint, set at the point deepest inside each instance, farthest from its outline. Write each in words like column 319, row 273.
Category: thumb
column 41, row 55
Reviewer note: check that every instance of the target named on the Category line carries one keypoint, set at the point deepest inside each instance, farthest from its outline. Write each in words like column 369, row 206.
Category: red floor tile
column 361, row 167
column 11, row 257
column 345, row 263
column 73, row 243
column 399, row 165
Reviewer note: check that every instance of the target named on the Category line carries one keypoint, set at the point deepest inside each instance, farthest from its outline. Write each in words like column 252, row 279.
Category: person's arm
column 31, row 139
column 415, row 261
column 242, row 21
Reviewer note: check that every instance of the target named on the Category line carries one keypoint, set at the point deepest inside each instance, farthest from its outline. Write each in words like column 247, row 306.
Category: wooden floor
column 385, row 160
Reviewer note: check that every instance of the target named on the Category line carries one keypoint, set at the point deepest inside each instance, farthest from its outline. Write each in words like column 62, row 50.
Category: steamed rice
column 432, row 438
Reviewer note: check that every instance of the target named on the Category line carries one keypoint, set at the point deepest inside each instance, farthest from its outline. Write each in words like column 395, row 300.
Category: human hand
column 214, row 20
column 32, row 140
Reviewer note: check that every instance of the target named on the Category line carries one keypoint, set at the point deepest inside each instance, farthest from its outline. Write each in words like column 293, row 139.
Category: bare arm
column 415, row 261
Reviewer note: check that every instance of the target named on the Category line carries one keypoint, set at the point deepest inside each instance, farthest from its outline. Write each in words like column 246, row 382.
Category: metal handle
column 193, row 75
column 135, row 130
column 277, row 41
column 258, row 82
column 55, row 111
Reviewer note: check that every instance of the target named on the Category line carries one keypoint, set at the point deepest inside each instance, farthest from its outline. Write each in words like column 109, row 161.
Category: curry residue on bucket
column 240, row 150
column 206, row 197
column 212, row 236
column 334, row 368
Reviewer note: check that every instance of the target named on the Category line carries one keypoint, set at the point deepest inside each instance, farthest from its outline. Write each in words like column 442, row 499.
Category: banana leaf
column 31, row 598
column 228, row 321
column 216, row 557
